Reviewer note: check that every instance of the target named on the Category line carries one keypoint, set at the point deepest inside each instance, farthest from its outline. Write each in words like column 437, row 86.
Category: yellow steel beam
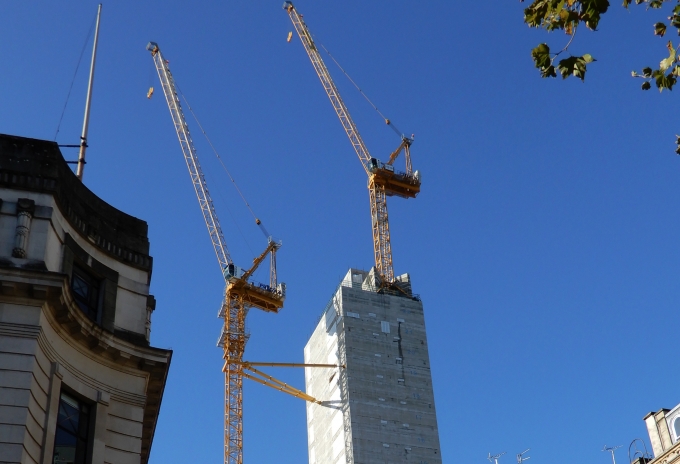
column 263, row 364
column 270, row 381
column 259, row 259
column 283, row 388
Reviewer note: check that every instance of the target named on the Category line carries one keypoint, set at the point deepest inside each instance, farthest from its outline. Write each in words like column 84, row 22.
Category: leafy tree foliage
column 569, row 15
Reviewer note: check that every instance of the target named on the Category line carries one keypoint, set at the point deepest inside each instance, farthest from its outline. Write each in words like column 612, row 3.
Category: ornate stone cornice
column 50, row 290
column 670, row 456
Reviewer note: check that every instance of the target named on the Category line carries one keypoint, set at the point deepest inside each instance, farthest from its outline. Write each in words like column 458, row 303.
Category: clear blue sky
column 544, row 242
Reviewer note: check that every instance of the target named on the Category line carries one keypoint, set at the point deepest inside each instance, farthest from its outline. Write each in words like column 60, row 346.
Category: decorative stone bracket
column 25, row 210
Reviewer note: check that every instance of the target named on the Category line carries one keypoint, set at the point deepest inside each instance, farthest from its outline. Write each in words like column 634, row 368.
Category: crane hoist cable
column 231, row 178
column 385, row 118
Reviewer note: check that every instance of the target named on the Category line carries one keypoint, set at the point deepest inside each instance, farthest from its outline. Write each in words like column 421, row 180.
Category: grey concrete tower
column 380, row 408
column 79, row 381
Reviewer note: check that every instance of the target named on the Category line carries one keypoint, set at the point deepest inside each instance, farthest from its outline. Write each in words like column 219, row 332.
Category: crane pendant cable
column 387, row 121
column 231, row 178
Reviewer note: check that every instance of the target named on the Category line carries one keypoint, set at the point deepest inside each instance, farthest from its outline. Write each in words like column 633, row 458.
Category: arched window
column 676, row 427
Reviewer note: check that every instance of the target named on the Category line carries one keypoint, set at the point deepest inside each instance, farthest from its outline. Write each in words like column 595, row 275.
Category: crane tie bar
column 387, row 121
column 231, row 178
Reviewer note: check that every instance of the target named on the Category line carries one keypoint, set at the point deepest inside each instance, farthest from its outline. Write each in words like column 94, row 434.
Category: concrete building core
column 379, row 408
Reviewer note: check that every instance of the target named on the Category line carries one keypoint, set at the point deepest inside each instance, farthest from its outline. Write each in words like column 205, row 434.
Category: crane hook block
column 290, row 36
column 149, row 93
column 387, row 121
column 257, row 221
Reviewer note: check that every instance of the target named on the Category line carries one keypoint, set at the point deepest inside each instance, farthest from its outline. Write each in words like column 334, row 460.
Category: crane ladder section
column 380, row 225
column 187, row 144
column 234, row 345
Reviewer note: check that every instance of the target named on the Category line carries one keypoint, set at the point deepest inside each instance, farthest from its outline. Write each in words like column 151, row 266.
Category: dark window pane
column 68, row 417
column 79, row 286
column 85, row 289
column 71, row 437
column 65, row 439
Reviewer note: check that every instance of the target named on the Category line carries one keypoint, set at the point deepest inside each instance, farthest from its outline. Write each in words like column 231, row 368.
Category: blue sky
column 544, row 243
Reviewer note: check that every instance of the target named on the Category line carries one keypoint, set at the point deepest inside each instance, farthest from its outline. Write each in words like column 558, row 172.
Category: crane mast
column 240, row 295
column 383, row 180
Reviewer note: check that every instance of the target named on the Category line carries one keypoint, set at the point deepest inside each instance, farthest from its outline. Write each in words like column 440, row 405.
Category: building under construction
column 377, row 406
column 380, row 407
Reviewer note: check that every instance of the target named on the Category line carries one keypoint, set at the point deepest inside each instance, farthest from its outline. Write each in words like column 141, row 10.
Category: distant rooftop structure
column 663, row 427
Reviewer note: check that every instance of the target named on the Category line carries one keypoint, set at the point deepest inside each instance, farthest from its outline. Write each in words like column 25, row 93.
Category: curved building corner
column 79, row 381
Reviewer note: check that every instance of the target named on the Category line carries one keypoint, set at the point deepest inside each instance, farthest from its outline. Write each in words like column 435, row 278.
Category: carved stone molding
column 25, row 210
column 51, row 291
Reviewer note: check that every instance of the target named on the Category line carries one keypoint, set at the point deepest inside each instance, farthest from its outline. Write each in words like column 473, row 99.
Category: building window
column 676, row 428
column 72, row 436
column 385, row 327
column 85, row 288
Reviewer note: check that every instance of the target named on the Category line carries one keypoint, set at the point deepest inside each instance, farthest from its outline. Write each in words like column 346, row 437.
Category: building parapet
column 38, row 166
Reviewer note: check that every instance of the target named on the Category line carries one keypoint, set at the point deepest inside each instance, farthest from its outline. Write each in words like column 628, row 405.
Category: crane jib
column 383, row 180
column 197, row 178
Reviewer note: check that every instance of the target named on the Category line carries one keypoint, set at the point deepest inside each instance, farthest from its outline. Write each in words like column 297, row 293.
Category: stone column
column 52, row 411
column 150, row 306
column 101, row 417
column 25, row 209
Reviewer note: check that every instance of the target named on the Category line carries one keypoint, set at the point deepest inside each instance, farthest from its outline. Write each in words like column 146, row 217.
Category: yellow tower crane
column 240, row 293
column 383, row 180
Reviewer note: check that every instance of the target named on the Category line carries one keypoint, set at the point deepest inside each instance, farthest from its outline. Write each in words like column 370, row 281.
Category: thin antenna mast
column 521, row 458
column 611, row 449
column 494, row 459
column 86, row 121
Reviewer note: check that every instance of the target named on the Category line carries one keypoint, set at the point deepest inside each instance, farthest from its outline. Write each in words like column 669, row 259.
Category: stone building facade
column 79, row 381
column 380, row 407
column 663, row 428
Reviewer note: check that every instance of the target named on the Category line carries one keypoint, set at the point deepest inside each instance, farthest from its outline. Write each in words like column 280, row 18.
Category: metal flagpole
column 86, row 121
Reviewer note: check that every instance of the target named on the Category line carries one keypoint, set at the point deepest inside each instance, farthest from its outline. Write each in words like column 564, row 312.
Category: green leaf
column 572, row 66
column 660, row 29
column 541, row 57
column 668, row 62
column 587, row 58
column 664, row 81
column 592, row 10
